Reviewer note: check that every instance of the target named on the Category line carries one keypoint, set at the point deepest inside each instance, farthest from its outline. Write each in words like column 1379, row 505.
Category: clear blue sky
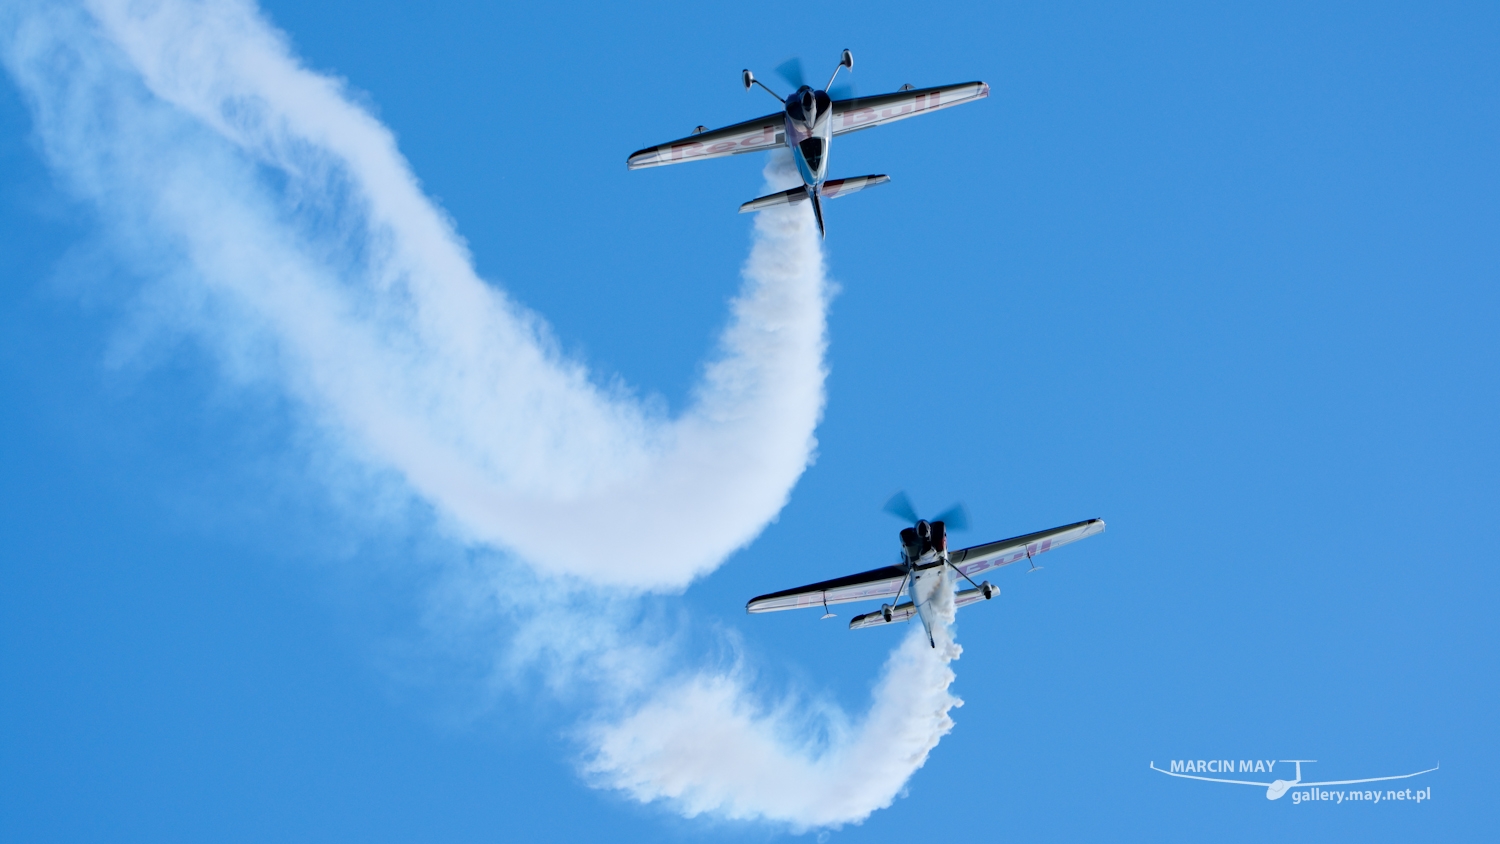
column 1226, row 278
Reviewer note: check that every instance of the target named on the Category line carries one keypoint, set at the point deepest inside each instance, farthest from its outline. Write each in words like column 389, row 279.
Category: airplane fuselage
column 925, row 550
column 927, row 579
column 809, row 132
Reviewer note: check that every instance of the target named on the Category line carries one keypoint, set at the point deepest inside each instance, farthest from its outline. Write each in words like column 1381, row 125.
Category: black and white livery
column 807, row 123
column 926, row 566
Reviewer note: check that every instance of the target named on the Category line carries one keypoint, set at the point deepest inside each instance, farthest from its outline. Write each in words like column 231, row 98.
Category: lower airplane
column 926, row 566
column 807, row 122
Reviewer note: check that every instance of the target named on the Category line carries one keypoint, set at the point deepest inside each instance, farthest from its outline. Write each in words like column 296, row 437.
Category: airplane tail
column 831, row 189
column 789, row 197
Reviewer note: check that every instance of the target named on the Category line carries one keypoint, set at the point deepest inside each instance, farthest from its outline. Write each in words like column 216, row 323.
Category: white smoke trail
column 282, row 227
column 379, row 324
column 705, row 745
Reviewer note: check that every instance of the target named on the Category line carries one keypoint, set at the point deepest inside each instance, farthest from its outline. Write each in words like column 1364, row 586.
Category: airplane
column 807, row 122
column 1278, row 788
column 927, row 566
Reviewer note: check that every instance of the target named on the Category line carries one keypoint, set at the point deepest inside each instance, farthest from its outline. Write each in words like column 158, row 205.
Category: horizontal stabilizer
column 900, row 612
column 786, row 197
column 970, row 596
column 834, row 188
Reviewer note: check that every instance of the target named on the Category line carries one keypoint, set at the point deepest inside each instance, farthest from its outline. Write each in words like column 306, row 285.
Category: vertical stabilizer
column 817, row 203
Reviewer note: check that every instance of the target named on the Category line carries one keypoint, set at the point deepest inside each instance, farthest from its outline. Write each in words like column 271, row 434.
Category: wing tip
column 762, row 603
column 648, row 157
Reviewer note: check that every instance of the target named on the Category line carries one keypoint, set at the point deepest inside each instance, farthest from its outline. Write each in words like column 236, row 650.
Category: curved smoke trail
column 705, row 744
column 286, row 231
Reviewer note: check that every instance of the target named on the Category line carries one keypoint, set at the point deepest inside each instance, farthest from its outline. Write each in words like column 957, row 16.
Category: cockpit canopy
column 812, row 152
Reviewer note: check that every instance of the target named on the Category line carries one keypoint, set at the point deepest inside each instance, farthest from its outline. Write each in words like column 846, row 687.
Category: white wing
column 876, row 583
column 863, row 112
column 750, row 136
column 887, row 582
column 980, row 558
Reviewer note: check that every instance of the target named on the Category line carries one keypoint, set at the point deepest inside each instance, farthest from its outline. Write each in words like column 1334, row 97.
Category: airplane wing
column 980, row 558
column 750, row 136
column 876, row 583
column 863, row 112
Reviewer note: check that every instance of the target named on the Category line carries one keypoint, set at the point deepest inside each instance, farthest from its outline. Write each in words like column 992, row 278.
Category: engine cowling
column 939, row 537
column 911, row 543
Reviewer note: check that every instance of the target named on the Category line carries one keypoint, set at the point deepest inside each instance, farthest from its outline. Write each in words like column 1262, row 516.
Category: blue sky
column 1224, row 278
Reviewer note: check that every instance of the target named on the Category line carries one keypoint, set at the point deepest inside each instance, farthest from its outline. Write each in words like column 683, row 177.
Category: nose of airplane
column 1277, row 789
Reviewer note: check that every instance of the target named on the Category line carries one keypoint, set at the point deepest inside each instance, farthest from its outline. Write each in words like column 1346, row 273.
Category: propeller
column 900, row 506
column 791, row 71
column 843, row 91
column 955, row 517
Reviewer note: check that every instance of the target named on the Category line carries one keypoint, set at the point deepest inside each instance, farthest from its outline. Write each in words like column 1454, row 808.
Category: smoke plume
column 274, row 220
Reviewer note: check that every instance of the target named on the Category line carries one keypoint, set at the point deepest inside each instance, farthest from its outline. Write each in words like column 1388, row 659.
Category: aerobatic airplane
column 807, row 122
column 926, row 566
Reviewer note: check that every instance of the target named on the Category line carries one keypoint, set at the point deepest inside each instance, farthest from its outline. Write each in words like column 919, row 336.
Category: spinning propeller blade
column 791, row 71
column 955, row 517
column 900, row 507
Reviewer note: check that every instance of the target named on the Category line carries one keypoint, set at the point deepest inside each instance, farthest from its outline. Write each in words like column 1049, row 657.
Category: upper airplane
column 926, row 566
column 807, row 123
